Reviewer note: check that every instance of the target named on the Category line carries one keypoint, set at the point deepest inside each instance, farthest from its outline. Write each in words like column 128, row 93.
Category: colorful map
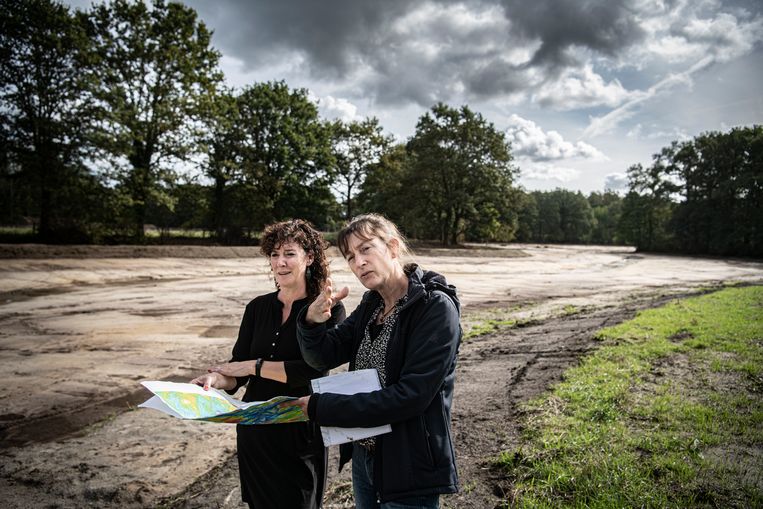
column 189, row 401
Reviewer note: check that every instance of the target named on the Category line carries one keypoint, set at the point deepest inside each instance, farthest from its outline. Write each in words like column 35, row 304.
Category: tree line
column 118, row 117
column 699, row 196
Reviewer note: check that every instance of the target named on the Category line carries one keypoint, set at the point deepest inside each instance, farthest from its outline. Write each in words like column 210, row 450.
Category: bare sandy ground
column 80, row 327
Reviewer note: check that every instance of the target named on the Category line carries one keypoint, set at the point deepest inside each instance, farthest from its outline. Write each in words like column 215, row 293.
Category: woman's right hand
column 320, row 309
column 215, row 380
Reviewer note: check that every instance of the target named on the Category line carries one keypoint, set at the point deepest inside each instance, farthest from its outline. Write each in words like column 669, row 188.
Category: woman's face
column 289, row 261
column 371, row 260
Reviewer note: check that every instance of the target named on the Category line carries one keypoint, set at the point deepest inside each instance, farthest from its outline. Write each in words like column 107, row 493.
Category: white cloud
column 457, row 20
column 724, row 36
column 239, row 75
column 581, row 88
column 530, row 141
column 655, row 132
column 546, row 172
column 606, row 123
column 686, row 31
column 336, row 108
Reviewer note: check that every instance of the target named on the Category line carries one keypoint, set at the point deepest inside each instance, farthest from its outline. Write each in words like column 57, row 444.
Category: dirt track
column 78, row 333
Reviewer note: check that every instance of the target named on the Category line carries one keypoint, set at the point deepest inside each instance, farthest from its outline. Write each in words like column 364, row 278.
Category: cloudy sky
column 582, row 88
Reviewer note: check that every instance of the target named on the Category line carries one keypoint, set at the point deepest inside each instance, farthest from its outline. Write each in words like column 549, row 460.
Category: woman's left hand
column 244, row 368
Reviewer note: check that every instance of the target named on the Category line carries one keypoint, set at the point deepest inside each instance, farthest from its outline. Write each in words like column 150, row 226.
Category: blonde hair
column 368, row 227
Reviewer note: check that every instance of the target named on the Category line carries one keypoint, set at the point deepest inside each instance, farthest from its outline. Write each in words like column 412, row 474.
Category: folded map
column 189, row 401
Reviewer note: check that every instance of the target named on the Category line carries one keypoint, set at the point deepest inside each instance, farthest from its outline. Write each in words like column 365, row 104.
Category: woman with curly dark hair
column 280, row 465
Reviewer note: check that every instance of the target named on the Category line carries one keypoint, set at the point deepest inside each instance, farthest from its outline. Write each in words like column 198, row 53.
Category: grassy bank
column 668, row 412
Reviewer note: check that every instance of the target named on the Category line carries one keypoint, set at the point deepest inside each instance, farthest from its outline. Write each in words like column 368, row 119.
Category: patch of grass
column 16, row 230
column 184, row 233
column 17, row 234
column 489, row 320
column 487, row 327
column 468, row 487
column 666, row 413
column 571, row 309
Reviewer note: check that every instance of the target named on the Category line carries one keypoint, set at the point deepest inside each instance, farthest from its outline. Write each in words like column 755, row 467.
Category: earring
column 309, row 273
column 273, row 275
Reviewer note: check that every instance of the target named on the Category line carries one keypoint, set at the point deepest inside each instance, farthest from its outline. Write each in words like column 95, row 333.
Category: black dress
column 280, row 465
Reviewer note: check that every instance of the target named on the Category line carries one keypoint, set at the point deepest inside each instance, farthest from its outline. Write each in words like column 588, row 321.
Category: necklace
column 382, row 313
column 385, row 313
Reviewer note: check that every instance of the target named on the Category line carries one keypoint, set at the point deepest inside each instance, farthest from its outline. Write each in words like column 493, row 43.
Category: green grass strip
column 668, row 412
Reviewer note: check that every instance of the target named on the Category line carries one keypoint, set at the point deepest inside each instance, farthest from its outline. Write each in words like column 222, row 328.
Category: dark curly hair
column 300, row 232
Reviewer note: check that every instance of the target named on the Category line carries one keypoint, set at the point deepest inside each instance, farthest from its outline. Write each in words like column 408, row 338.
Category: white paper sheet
column 350, row 382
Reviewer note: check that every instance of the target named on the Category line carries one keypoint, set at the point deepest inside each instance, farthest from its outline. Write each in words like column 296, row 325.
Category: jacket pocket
column 427, row 440
column 437, row 433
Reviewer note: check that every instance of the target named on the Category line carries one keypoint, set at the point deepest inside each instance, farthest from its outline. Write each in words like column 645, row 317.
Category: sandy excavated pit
column 80, row 327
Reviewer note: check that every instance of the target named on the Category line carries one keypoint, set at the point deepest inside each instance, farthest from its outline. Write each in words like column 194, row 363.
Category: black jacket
column 417, row 457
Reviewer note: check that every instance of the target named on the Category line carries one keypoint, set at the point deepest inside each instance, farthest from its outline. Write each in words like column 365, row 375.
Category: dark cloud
column 398, row 51
column 603, row 26
column 332, row 34
column 339, row 37
column 496, row 77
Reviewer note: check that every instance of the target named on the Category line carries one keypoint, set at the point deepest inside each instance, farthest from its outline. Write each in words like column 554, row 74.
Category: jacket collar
column 421, row 282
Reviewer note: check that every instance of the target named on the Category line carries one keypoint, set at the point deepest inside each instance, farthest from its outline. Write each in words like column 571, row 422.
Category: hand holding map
column 189, row 401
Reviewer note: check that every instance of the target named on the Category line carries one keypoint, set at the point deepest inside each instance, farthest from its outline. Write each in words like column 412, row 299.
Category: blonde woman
column 407, row 328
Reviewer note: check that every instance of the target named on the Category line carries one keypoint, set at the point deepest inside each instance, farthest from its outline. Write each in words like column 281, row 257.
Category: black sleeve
column 429, row 357
column 243, row 346
column 299, row 372
column 324, row 347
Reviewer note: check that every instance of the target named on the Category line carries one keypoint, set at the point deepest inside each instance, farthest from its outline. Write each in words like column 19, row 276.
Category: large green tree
column 461, row 176
column 721, row 186
column 648, row 206
column 386, row 190
column 576, row 217
column 223, row 142
column 528, row 217
column 43, row 113
column 188, row 211
column 607, row 209
column 557, row 216
column 153, row 73
column 699, row 196
column 285, row 156
column 357, row 146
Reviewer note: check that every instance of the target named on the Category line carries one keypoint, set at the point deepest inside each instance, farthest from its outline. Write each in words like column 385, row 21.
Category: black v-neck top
column 262, row 335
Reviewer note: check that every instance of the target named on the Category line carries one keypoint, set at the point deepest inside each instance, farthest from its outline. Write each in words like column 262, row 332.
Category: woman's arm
column 324, row 348
column 299, row 372
column 295, row 372
column 273, row 370
column 429, row 358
